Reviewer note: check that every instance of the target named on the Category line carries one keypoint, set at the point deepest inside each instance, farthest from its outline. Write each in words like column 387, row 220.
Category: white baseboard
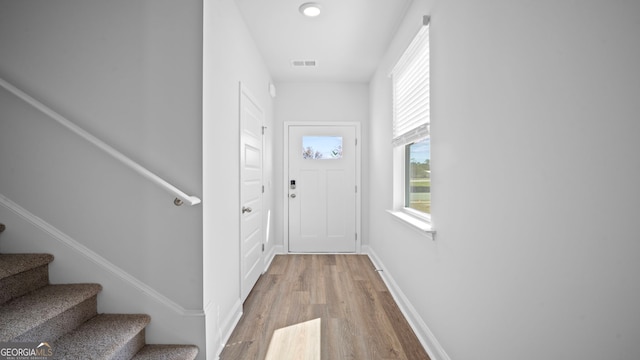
column 228, row 325
column 103, row 263
column 424, row 334
column 275, row 250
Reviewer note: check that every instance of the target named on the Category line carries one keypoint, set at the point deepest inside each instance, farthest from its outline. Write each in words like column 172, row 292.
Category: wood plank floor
column 359, row 318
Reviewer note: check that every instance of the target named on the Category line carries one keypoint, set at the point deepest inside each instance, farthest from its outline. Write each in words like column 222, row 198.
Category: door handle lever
column 246, row 209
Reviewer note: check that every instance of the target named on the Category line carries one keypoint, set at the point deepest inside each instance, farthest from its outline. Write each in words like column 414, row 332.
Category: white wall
column 331, row 102
column 230, row 57
column 535, row 165
column 130, row 73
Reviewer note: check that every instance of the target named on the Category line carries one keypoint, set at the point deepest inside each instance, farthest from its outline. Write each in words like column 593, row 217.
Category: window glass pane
column 322, row 147
column 418, row 176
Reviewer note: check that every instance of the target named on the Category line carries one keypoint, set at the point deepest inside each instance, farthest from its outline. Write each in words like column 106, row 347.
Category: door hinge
column 356, row 188
column 263, row 189
column 263, row 128
column 356, row 236
column 356, row 141
column 262, row 247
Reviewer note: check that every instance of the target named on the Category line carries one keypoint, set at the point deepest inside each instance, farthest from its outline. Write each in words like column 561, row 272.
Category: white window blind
column 411, row 90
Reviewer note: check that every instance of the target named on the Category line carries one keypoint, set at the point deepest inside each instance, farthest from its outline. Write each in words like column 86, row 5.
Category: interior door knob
column 293, row 195
column 246, row 209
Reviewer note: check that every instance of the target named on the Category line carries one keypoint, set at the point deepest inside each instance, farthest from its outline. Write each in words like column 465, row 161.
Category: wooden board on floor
column 358, row 318
column 296, row 342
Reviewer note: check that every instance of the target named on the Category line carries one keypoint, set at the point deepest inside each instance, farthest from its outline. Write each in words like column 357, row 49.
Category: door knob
column 246, row 209
column 293, row 195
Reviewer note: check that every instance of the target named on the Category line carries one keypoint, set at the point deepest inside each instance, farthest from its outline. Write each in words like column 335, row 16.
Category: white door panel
column 338, row 204
column 322, row 206
column 251, row 120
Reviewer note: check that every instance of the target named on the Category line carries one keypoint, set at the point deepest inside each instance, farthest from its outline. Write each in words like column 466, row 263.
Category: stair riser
column 23, row 283
column 167, row 352
column 105, row 337
column 61, row 324
column 134, row 345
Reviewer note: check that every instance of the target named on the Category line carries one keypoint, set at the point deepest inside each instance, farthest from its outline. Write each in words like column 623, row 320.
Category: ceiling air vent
column 304, row 63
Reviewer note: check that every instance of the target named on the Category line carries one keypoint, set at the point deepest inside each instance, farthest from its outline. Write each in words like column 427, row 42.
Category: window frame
column 415, row 133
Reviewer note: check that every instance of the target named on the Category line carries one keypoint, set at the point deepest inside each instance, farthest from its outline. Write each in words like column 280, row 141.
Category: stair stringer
column 122, row 293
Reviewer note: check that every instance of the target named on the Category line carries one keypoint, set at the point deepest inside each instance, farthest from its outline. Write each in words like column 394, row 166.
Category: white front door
column 251, row 120
column 322, row 188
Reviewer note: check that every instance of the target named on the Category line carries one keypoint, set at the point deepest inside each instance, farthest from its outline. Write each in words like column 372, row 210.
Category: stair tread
column 100, row 337
column 26, row 312
column 167, row 352
column 12, row 264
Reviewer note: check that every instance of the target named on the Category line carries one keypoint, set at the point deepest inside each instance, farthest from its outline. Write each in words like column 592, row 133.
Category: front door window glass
column 322, row 147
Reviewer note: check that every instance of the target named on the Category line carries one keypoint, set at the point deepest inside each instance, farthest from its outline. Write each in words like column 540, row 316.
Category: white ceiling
column 347, row 40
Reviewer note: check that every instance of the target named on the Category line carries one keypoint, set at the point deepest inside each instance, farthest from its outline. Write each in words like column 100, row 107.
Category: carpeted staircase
column 65, row 316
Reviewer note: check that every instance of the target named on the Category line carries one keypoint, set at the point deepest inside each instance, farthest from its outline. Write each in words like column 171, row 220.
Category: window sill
column 422, row 226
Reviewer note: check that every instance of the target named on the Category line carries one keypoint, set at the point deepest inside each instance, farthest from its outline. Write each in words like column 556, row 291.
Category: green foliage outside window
column 418, row 176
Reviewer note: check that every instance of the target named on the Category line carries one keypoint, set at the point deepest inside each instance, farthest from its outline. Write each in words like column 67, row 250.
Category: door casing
column 251, row 196
column 285, row 185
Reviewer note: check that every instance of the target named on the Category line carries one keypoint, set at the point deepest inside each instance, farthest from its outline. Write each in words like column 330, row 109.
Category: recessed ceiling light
column 310, row 9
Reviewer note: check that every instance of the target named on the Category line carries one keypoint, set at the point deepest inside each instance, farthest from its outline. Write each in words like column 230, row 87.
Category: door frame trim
column 285, row 185
column 244, row 90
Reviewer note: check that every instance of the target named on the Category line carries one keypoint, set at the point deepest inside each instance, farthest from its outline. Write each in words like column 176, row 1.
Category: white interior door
column 251, row 232
column 322, row 188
